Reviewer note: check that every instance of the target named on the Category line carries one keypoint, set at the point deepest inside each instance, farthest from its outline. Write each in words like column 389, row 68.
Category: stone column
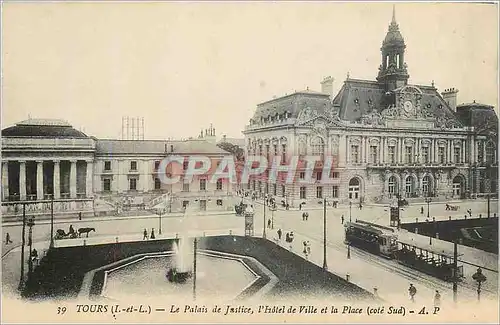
column 39, row 179
column 88, row 179
column 72, row 179
column 347, row 150
column 57, row 179
column 22, row 179
column 484, row 151
column 472, row 149
column 5, row 180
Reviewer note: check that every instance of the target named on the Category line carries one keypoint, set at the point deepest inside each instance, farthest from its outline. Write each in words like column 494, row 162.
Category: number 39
column 61, row 310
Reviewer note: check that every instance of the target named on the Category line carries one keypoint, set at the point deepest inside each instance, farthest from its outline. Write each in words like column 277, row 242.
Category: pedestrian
column 291, row 236
column 412, row 291
column 307, row 216
column 152, row 233
column 342, row 219
column 145, row 237
column 71, row 230
column 437, row 299
column 79, row 216
column 7, row 239
column 269, row 223
column 305, row 248
column 421, row 210
column 308, row 248
column 279, row 234
column 300, row 206
column 287, row 206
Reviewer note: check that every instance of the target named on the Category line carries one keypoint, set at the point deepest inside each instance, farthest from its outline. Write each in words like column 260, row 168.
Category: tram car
column 428, row 261
column 372, row 238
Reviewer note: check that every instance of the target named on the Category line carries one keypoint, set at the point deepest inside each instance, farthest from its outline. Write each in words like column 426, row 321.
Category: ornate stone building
column 44, row 159
column 387, row 137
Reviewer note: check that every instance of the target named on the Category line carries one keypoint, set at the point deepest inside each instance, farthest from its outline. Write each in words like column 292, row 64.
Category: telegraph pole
column 325, row 266
column 195, row 248
column 264, row 233
column 21, row 279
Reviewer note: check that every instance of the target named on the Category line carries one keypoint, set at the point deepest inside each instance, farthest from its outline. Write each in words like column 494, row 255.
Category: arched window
column 318, row 146
column 386, row 61
column 458, row 186
column 354, row 188
column 426, row 186
column 397, row 61
column 490, row 152
column 393, row 185
column 409, row 186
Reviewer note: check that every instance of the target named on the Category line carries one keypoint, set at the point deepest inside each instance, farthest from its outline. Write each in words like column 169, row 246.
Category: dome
column 43, row 128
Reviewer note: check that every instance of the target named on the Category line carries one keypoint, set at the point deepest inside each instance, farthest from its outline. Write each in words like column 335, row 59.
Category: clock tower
column 392, row 72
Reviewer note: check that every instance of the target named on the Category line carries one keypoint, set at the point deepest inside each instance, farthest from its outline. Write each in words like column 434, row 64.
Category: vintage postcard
column 249, row 162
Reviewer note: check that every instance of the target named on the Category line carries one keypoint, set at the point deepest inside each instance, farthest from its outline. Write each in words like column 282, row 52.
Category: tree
column 238, row 153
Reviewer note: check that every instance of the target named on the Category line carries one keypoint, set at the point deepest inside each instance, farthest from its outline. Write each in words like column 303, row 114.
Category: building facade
column 45, row 159
column 387, row 138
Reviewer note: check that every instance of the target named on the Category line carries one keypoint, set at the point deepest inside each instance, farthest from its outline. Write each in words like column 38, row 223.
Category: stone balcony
column 414, row 165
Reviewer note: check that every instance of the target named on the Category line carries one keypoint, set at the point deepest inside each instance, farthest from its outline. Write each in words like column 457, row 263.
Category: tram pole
column 455, row 270
column 325, row 266
column 264, row 231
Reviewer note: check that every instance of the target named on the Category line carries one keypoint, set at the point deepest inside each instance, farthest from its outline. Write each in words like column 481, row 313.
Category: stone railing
column 47, row 143
column 33, row 208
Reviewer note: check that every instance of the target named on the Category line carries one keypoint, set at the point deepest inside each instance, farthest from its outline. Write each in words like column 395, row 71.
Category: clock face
column 407, row 106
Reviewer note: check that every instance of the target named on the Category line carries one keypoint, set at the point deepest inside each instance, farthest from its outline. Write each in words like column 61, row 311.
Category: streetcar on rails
column 371, row 237
column 438, row 264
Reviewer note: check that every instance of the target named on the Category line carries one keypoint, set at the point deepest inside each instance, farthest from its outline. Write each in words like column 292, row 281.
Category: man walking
column 412, row 291
column 342, row 219
column 279, row 234
column 437, row 299
column 7, row 239
column 145, row 237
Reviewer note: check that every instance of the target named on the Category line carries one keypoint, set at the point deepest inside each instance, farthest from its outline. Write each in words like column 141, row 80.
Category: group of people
column 145, row 234
column 412, row 291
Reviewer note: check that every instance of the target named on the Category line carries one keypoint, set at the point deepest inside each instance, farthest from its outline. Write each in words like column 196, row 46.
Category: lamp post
column 264, row 232
column 30, row 224
column 52, row 222
column 479, row 278
column 428, row 200
column 159, row 217
column 325, row 266
column 350, row 210
column 21, row 278
column 195, row 248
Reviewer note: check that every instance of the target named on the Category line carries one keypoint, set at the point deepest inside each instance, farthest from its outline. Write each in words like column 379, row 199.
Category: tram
column 428, row 261
column 372, row 238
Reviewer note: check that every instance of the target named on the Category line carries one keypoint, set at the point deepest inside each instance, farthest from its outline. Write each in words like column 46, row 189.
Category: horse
column 85, row 231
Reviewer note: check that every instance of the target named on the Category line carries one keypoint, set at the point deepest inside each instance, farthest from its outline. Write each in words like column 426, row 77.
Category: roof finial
column 347, row 74
column 393, row 13
column 432, row 83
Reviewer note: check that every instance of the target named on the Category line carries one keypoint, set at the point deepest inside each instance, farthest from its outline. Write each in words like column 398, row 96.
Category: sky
column 184, row 65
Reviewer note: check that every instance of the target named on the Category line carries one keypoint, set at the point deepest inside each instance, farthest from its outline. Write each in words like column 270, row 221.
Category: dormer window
column 356, row 101
column 440, row 106
column 428, row 105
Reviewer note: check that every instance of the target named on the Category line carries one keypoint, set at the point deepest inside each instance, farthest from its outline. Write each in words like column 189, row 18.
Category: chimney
column 327, row 86
column 450, row 97
column 224, row 138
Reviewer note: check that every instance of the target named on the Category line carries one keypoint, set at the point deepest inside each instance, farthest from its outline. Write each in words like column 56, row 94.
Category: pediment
column 310, row 118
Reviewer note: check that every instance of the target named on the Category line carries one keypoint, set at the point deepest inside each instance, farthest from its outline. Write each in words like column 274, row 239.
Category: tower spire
column 393, row 14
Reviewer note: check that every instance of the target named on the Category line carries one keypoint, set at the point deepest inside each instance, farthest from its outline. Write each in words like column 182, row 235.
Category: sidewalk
column 108, row 218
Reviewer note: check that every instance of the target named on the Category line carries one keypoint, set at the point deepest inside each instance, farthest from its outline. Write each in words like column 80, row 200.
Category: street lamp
column 479, row 278
column 428, row 200
column 195, row 248
column 325, row 266
column 264, row 232
column 350, row 210
column 159, row 216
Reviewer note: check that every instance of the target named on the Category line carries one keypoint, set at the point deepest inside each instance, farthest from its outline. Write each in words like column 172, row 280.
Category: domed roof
column 393, row 36
column 43, row 128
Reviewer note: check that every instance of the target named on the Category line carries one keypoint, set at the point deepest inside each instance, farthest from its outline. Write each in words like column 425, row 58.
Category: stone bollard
column 230, row 232
column 416, row 220
column 449, row 217
column 116, row 238
column 480, row 216
column 347, row 276
column 433, row 219
column 84, row 242
column 416, row 230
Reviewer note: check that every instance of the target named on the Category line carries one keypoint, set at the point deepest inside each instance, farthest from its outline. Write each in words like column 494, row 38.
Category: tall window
column 274, row 189
column 283, row 190
column 157, row 164
column 283, row 153
column 355, row 153
column 185, row 187
column 409, row 186
column 219, row 185
column 260, row 150
column 275, row 149
column 392, row 154
column 107, row 165
column 302, row 175
column 393, row 185
column 425, row 154
column 267, row 188
column 267, row 151
column 106, row 185
column 253, row 185
column 185, row 165
column 318, row 147
column 409, row 154
column 480, row 152
column 260, row 186
column 319, row 192
column 133, row 165
column 302, row 192
column 490, row 153
column 157, row 184
column 398, row 63
column 132, row 184
column 441, row 155
column 203, row 184
column 373, row 154
column 426, row 186
column 335, row 191
column 457, row 157
column 354, row 188
column 319, row 175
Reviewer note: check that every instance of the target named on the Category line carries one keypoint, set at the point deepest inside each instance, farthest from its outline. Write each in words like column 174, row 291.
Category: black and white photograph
column 249, row 162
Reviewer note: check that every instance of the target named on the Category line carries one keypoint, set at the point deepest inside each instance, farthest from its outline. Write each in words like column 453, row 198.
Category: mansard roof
column 482, row 117
column 359, row 97
column 48, row 128
column 292, row 104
